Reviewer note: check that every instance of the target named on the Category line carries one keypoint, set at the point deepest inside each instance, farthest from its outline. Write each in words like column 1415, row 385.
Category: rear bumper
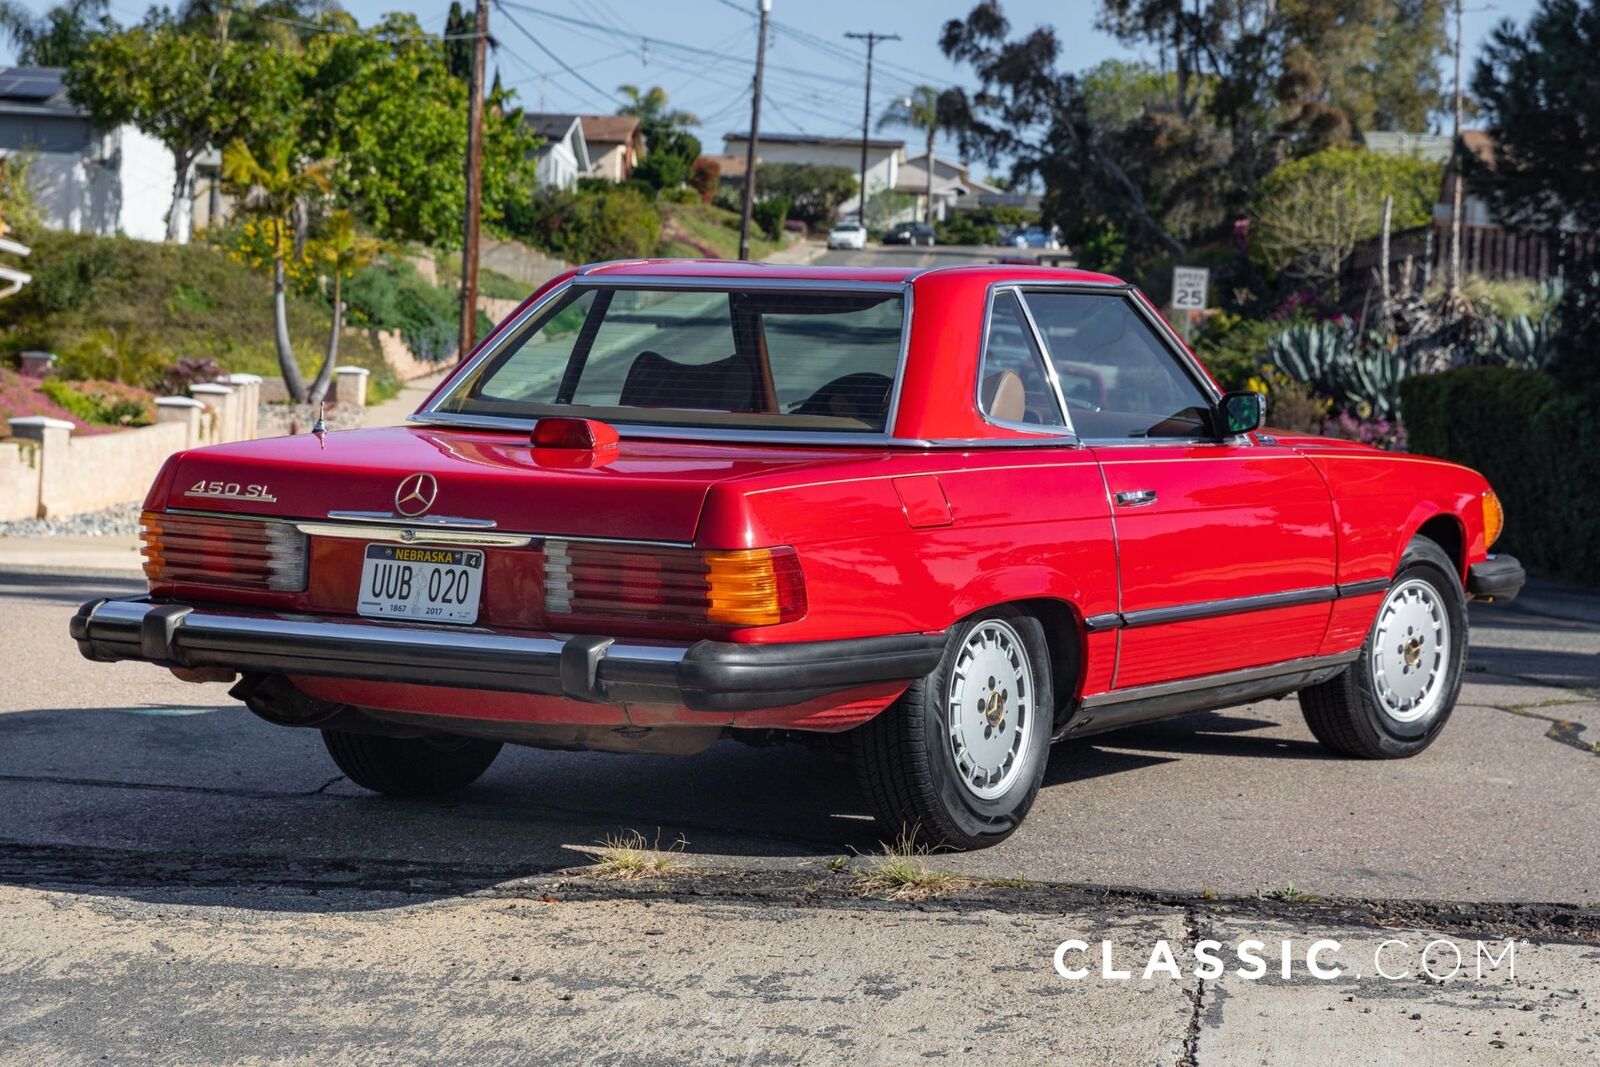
column 710, row 676
column 1496, row 578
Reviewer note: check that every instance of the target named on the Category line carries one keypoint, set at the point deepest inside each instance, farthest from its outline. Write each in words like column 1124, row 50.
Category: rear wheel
column 956, row 762
column 1396, row 697
column 410, row 766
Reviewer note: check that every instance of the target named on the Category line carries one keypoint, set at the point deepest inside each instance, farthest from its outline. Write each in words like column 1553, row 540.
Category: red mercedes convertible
column 951, row 514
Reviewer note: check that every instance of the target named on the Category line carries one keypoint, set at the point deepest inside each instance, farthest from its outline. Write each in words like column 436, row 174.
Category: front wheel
column 956, row 762
column 1396, row 697
column 410, row 766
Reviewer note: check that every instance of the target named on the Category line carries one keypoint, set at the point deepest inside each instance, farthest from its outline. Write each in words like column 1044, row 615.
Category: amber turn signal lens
column 1494, row 518
column 754, row 587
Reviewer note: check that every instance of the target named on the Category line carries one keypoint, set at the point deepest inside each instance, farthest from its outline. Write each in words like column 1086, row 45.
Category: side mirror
column 1239, row 413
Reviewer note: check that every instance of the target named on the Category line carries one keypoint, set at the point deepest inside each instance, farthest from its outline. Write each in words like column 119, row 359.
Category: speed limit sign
column 1189, row 288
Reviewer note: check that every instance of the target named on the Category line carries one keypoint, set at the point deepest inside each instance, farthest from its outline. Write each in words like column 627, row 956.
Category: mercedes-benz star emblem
column 415, row 494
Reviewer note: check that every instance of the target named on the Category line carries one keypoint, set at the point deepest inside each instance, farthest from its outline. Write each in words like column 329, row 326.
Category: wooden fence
column 1421, row 255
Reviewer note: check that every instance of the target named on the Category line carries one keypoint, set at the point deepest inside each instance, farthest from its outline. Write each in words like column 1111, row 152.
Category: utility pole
column 1453, row 284
column 872, row 38
column 469, row 243
column 755, row 134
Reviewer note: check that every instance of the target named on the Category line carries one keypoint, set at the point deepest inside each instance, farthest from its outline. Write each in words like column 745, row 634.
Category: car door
column 1225, row 547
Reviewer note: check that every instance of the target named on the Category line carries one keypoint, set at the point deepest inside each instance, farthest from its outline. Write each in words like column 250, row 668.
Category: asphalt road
column 122, row 760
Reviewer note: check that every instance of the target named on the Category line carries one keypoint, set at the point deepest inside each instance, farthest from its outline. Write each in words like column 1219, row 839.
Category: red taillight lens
column 745, row 587
column 236, row 553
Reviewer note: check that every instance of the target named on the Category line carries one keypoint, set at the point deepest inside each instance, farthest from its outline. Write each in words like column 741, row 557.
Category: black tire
column 410, row 766
column 907, row 768
column 1346, row 713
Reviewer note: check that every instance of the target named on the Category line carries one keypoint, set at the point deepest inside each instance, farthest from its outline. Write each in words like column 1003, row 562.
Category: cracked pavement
column 180, row 882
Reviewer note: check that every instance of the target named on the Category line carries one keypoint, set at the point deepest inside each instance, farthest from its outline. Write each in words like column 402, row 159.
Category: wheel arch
column 1064, row 635
column 1449, row 533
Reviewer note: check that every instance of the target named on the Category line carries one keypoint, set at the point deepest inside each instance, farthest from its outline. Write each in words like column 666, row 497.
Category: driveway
column 104, row 760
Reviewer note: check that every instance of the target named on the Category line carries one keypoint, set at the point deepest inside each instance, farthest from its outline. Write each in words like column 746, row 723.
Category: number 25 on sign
column 1189, row 293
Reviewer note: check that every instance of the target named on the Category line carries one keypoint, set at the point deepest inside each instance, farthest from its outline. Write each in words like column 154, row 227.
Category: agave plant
column 1358, row 370
column 1520, row 341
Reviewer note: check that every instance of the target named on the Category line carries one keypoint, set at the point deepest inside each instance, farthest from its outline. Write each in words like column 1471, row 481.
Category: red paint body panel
column 892, row 537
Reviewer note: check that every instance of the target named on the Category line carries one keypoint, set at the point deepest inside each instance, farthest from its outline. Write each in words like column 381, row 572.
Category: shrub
column 966, row 228
column 176, row 377
column 814, row 191
column 593, row 222
column 65, row 278
column 704, row 177
column 1535, row 441
column 102, row 403
column 1358, row 372
column 769, row 215
column 106, row 354
column 391, row 295
column 1231, row 347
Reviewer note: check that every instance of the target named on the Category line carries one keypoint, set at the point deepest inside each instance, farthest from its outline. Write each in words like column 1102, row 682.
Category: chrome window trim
column 514, row 327
column 989, row 297
column 1165, row 337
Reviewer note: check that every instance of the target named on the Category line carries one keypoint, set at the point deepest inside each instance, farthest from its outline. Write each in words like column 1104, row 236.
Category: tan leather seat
column 1004, row 398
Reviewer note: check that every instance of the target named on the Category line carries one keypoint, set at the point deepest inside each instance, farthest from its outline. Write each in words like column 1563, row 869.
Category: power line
column 540, row 45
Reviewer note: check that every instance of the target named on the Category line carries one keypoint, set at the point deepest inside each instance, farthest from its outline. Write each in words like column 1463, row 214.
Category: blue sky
column 702, row 51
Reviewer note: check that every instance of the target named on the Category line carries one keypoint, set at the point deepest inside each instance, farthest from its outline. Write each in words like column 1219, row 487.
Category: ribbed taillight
column 236, row 553
column 745, row 587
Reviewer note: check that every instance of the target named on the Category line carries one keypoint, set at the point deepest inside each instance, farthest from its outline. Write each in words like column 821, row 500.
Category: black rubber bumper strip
column 1496, row 578
column 705, row 676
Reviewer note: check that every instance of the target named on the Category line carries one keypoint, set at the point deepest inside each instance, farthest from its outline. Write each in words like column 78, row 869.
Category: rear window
column 714, row 358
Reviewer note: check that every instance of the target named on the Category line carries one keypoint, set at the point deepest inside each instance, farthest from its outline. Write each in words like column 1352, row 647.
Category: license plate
column 425, row 584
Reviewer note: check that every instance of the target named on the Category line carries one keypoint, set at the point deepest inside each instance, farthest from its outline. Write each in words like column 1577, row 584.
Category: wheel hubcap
column 1411, row 652
column 990, row 707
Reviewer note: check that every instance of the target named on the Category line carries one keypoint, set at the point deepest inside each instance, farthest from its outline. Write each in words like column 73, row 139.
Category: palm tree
column 277, row 186
column 649, row 106
column 343, row 251
column 920, row 111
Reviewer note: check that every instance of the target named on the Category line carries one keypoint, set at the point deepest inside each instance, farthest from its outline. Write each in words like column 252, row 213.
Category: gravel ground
column 120, row 520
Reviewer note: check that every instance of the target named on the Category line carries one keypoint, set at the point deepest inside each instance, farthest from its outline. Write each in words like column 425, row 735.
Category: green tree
column 1311, row 212
column 1540, row 89
column 277, row 186
column 57, row 37
column 919, row 111
column 187, row 90
column 340, row 252
column 650, row 107
column 670, row 150
column 384, row 103
column 814, row 190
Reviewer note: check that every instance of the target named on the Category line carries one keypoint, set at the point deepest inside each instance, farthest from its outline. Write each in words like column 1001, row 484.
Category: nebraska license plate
column 425, row 584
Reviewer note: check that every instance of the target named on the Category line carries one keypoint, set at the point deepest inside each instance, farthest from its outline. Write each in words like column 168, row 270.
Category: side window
column 1012, row 386
column 1117, row 377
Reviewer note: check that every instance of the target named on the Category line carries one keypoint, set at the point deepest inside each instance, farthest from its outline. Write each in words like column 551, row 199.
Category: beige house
column 615, row 143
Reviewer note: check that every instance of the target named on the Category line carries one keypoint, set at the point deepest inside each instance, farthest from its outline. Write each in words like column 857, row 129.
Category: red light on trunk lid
column 590, row 435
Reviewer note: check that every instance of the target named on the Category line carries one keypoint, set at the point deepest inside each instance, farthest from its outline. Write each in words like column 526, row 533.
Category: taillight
column 744, row 587
column 207, row 550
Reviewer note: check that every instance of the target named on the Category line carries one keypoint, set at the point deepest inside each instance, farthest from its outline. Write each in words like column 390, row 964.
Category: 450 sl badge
column 232, row 491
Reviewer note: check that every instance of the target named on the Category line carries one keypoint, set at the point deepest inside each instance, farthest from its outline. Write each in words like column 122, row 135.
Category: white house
column 884, row 158
column 564, row 156
column 954, row 187
column 86, row 180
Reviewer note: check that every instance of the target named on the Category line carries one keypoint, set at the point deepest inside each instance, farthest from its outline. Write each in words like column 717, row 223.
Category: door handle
column 1136, row 498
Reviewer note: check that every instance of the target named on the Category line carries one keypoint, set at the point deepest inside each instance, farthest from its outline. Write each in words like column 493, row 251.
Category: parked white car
column 848, row 234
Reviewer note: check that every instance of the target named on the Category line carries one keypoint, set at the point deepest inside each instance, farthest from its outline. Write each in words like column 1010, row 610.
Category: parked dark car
column 910, row 233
